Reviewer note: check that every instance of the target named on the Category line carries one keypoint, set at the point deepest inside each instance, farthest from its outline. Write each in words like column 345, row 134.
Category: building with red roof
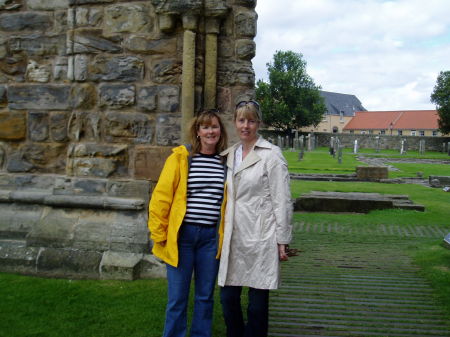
column 402, row 123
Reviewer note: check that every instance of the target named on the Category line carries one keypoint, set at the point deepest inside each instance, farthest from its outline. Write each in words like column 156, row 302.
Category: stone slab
column 352, row 202
column 372, row 172
column 16, row 257
column 68, row 263
column 119, row 266
column 439, row 181
column 152, row 267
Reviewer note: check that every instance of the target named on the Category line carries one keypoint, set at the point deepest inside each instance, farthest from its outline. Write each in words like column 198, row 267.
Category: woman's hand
column 282, row 252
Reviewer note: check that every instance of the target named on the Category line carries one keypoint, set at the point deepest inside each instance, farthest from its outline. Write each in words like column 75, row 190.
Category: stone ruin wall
column 91, row 102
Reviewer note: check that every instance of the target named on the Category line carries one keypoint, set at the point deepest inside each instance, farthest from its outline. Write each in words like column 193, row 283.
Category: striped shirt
column 204, row 190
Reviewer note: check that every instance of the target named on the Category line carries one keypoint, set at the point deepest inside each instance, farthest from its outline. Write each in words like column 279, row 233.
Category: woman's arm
column 162, row 198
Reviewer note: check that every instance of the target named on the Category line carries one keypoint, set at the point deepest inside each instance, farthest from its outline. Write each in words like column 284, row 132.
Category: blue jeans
column 197, row 248
column 257, row 312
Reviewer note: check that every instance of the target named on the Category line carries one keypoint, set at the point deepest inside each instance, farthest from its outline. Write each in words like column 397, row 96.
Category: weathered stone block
column 54, row 229
column 96, row 160
column 168, row 129
column 128, row 127
column 17, row 220
column 120, row 68
column 45, row 157
column 89, row 186
column 79, row 72
column 69, row 263
column 37, row 73
column 167, row 71
column 39, row 45
column 91, row 41
column 246, row 3
column 84, row 2
column 60, row 68
column 38, row 126
column 58, row 125
column 149, row 161
column 145, row 45
column 25, row 21
column 38, row 97
column 129, row 233
column 120, row 266
column 245, row 23
column 17, row 163
column 10, row 5
column 439, row 181
column 13, row 65
column 146, row 98
column 84, row 126
column 93, row 230
column 245, row 49
column 47, row 5
column 152, row 267
column 235, row 73
column 129, row 189
column 168, row 98
column 117, row 96
column 16, row 257
column 88, row 16
column 83, row 96
column 12, row 125
column 3, row 91
column 128, row 18
column 372, row 172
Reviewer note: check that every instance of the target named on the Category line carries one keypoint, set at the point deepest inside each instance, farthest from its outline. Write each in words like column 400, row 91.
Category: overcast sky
column 387, row 53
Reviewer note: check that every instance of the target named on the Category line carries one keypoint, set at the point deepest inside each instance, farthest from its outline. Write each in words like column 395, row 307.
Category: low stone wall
column 385, row 141
column 75, row 227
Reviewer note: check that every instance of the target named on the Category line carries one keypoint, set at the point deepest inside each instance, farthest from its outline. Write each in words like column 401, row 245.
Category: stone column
column 188, row 76
column 212, row 30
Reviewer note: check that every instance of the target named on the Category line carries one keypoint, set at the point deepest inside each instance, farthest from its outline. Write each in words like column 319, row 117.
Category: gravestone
column 355, row 146
column 331, row 149
column 422, row 146
column 403, row 146
column 340, row 153
column 302, row 148
column 448, row 148
column 377, row 144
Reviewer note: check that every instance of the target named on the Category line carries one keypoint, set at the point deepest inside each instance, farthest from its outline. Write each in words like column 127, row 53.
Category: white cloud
column 387, row 53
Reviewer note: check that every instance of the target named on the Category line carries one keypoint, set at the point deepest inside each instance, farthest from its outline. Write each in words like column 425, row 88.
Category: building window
column 370, row 132
column 324, row 118
column 435, row 133
column 413, row 133
column 352, row 131
column 400, row 132
column 341, row 116
column 335, row 129
column 382, row 132
column 363, row 132
column 421, row 133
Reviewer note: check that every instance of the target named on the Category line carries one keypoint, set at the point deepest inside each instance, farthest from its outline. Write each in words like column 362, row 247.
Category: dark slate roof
column 336, row 103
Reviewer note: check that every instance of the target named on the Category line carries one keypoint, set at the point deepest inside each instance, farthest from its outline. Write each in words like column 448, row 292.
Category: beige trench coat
column 257, row 218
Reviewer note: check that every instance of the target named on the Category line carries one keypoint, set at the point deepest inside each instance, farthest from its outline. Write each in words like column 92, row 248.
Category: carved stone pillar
column 188, row 76
column 212, row 30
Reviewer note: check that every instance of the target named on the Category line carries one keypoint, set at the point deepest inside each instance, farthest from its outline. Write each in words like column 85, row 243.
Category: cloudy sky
column 387, row 53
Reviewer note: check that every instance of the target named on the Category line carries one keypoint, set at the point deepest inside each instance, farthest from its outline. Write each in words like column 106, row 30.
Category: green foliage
column 441, row 97
column 290, row 99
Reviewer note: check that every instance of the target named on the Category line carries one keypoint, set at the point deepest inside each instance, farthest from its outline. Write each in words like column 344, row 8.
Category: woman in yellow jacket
column 186, row 223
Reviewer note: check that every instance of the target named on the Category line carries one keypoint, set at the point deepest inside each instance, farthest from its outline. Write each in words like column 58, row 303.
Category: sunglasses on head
column 243, row 103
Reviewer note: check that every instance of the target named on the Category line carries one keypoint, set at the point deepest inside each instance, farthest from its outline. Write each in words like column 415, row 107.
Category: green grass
column 39, row 307
column 411, row 170
column 436, row 202
column 434, row 261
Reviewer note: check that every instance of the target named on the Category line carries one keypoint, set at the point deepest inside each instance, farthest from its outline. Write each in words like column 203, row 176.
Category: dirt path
column 351, row 281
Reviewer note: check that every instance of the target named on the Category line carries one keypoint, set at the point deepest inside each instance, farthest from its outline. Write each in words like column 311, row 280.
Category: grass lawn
column 38, row 307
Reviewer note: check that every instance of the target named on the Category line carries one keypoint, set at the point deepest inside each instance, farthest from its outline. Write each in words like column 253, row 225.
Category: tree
column 290, row 99
column 441, row 97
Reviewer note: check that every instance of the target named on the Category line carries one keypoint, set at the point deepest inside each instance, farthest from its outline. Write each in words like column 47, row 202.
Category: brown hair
column 205, row 118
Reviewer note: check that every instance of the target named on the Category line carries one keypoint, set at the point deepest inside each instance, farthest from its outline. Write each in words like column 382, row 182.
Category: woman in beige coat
column 257, row 224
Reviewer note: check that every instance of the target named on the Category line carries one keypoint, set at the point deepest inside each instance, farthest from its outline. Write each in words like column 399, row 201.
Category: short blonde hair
column 249, row 110
column 205, row 118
